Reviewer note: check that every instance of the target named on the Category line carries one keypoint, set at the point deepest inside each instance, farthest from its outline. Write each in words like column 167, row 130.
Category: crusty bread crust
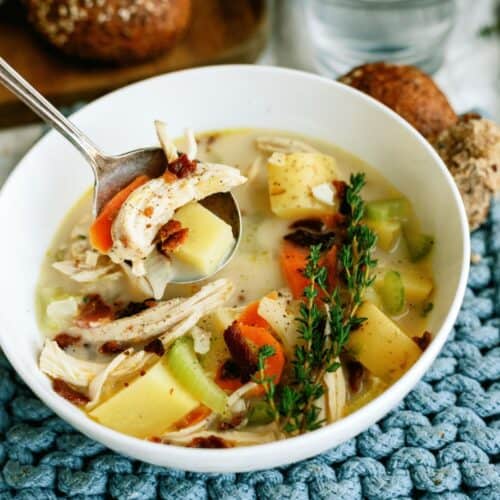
column 119, row 31
column 408, row 91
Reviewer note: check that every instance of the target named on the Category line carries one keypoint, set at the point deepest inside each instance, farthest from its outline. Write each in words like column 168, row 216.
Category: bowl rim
column 125, row 444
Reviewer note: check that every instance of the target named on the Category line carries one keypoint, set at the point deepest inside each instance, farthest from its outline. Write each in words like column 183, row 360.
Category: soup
column 322, row 307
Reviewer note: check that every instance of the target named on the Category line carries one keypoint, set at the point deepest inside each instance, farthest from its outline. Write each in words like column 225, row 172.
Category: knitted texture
column 442, row 441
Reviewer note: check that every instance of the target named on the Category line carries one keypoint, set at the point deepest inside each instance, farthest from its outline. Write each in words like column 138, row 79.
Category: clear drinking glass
column 347, row 33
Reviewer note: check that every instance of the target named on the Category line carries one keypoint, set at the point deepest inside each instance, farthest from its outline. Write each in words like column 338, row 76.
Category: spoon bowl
column 113, row 173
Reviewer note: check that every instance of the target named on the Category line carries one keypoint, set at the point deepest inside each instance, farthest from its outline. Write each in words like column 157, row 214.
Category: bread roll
column 408, row 91
column 120, row 31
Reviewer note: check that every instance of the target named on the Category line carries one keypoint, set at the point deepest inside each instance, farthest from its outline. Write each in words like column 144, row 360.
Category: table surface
column 470, row 75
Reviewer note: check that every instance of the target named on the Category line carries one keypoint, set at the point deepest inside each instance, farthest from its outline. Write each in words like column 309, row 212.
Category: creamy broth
column 254, row 269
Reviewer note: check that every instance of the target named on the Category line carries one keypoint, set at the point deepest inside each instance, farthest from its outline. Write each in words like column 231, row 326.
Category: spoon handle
column 14, row 82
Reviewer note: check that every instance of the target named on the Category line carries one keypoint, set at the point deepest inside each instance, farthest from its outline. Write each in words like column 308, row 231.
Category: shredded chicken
column 336, row 394
column 271, row 144
column 79, row 261
column 163, row 318
column 153, row 204
column 125, row 364
column 57, row 364
column 265, row 434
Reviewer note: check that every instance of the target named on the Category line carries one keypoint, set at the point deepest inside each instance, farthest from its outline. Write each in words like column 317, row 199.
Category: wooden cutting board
column 221, row 31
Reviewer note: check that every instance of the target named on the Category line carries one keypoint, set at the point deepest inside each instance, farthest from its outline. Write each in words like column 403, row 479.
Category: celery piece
column 394, row 209
column 419, row 244
column 187, row 370
column 392, row 293
column 260, row 413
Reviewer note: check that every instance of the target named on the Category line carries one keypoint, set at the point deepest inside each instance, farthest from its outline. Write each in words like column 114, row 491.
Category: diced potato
column 148, row 406
column 381, row 346
column 291, row 178
column 216, row 323
column 417, row 285
column 388, row 232
column 209, row 240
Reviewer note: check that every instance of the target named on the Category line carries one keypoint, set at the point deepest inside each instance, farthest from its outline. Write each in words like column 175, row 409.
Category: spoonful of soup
column 160, row 213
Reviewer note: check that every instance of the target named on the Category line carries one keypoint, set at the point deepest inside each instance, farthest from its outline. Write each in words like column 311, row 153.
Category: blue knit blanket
column 442, row 441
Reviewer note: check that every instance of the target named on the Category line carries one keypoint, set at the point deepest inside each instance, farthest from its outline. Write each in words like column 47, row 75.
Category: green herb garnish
column 325, row 321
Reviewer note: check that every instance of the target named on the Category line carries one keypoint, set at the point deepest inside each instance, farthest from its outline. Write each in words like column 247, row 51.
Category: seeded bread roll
column 408, row 91
column 120, row 31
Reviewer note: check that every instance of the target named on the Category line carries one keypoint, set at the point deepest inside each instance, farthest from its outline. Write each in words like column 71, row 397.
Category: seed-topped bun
column 119, row 31
column 408, row 91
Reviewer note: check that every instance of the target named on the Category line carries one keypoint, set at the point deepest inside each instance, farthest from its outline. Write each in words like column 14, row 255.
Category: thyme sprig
column 326, row 319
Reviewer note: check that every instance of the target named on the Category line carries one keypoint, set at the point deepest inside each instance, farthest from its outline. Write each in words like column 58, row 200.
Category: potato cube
column 148, row 406
column 417, row 285
column 209, row 239
column 388, row 233
column 381, row 346
column 292, row 177
column 216, row 322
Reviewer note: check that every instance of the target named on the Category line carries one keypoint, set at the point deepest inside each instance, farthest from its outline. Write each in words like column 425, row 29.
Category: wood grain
column 221, row 31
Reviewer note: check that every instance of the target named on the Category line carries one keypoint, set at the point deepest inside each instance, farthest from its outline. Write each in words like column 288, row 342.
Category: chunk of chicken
column 161, row 318
column 153, row 204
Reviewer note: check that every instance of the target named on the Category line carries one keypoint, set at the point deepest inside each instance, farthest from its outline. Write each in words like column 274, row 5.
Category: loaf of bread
column 408, row 91
column 120, row 31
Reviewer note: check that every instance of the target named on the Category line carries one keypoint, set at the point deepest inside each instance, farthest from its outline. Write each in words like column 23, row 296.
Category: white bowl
column 52, row 176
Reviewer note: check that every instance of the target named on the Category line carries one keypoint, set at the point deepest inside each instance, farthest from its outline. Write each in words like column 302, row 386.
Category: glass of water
column 347, row 33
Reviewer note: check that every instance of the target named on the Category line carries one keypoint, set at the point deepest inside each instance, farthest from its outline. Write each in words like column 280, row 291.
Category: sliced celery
column 260, row 413
column 392, row 293
column 419, row 244
column 187, row 370
column 394, row 209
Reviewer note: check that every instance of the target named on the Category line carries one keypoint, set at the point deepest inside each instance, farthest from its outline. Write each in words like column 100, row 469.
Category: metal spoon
column 112, row 173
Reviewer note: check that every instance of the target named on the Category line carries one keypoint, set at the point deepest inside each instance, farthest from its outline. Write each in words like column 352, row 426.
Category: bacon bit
column 155, row 439
column 193, row 417
column 67, row 392
column 132, row 308
column 208, row 442
column 65, row 340
column 148, row 211
column 156, row 347
column 182, row 167
column 234, row 422
column 170, row 236
column 241, row 351
column 316, row 225
column 142, row 373
column 355, row 375
column 112, row 347
column 93, row 310
column 423, row 341
column 340, row 193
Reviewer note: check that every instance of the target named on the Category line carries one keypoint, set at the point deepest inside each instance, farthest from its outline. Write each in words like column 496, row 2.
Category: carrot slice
column 256, row 337
column 293, row 260
column 250, row 316
column 228, row 384
column 193, row 417
column 259, row 337
column 330, row 262
column 100, row 230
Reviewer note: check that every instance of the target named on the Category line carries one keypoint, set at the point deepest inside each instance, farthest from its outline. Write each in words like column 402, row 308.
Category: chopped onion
column 324, row 193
